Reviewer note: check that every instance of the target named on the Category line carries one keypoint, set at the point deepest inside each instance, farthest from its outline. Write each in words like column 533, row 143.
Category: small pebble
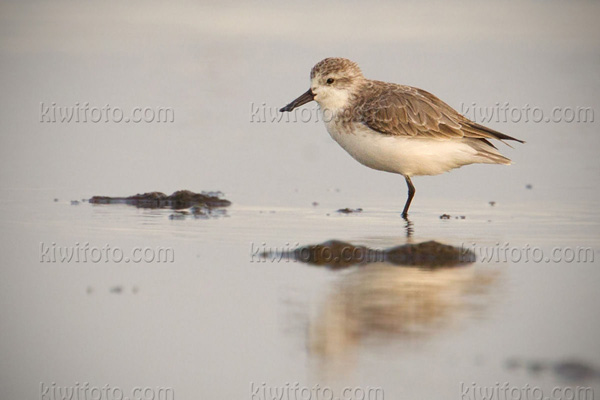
column 512, row 363
column 349, row 210
column 116, row 289
column 535, row 367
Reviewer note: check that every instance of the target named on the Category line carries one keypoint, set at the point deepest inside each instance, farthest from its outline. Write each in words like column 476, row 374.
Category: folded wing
column 407, row 111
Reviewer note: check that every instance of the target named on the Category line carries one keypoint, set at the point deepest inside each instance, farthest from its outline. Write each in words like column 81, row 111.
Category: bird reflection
column 381, row 302
column 409, row 227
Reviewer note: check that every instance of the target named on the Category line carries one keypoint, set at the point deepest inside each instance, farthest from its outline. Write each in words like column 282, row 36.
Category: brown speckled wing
column 407, row 111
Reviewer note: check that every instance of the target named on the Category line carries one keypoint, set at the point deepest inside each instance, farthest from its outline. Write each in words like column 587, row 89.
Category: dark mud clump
column 448, row 216
column 566, row 370
column 178, row 200
column 573, row 370
column 336, row 254
column 430, row 254
column 349, row 210
column 333, row 253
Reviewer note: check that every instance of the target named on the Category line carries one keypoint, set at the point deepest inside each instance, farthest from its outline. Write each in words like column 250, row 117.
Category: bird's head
column 332, row 82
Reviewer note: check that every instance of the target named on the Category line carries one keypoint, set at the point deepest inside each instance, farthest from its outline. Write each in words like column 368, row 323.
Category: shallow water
column 218, row 321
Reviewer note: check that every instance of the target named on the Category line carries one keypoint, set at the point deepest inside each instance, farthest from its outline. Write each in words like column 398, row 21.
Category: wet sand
column 410, row 330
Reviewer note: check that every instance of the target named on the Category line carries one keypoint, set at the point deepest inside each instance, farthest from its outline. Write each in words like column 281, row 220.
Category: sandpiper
column 396, row 128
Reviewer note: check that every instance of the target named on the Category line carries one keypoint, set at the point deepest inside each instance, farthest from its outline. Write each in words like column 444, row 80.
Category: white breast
column 399, row 154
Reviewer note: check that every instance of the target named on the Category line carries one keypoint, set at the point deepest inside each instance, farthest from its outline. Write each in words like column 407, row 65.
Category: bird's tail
column 488, row 153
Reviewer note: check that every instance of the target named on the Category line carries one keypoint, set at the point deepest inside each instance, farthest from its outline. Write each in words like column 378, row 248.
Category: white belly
column 403, row 155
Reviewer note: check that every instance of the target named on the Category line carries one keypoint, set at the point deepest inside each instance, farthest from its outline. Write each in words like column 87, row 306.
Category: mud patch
column 349, row 210
column 337, row 254
column 566, row 370
column 179, row 200
column 430, row 254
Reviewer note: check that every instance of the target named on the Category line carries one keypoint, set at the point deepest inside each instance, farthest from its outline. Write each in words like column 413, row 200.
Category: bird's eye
column 329, row 81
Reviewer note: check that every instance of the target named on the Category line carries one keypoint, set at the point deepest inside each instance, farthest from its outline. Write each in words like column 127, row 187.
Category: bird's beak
column 303, row 99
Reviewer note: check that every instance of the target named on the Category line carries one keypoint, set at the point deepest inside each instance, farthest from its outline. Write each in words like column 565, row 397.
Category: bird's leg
column 411, row 194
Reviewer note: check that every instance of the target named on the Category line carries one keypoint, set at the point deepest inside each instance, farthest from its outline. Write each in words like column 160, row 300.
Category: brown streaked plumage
column 395, row 109
column 396, row 128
